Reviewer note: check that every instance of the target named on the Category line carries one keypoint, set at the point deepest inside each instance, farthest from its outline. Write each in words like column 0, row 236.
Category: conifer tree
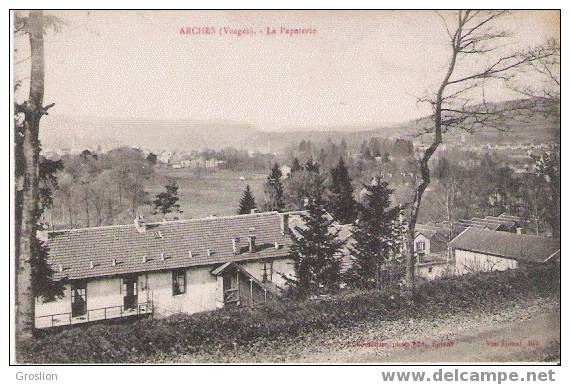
column 274, row 199
column 312, row 166
column 315, row 250
column 247, row 202
column 342, row 204
column 376, row 234
column 296, row 166
column 167, row 201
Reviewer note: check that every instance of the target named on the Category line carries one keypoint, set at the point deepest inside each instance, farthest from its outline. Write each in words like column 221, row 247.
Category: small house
column 476, row 250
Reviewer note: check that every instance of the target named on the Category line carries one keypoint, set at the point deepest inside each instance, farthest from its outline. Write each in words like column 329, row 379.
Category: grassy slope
column 209, row 192
column 283, row 323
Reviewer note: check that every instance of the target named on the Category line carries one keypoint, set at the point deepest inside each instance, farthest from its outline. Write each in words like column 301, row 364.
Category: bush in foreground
column 148, row 339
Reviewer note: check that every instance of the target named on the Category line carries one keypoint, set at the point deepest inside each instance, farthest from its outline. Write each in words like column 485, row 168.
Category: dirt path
column 527, row 335
column 524, row 331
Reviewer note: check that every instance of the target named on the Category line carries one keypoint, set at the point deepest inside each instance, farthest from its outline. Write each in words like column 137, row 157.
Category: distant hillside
column 60, row 131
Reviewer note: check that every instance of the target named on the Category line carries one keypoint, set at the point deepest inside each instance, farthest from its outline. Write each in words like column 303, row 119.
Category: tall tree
column 312, row 166
column 27, row 151
column 247, row 202
column 459, row 101
column 315, row 250
column 374, row 233
column 296, row 166
column 342, row 204
column 547, row 167
column 274, row 199
column 47, row 174
column 303, row 184
column 167, row 202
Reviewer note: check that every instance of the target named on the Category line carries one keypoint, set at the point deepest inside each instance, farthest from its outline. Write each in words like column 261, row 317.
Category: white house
column 484, row 250
column 285, row 171
column 165, row 157
column 430, row 246
column 165, row 268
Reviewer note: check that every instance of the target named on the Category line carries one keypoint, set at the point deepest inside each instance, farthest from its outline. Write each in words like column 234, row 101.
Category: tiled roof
column 76, row 250
column 505, row 222
column 488, row 224
column 433, row 232
column 529, row 248
column 511, row 217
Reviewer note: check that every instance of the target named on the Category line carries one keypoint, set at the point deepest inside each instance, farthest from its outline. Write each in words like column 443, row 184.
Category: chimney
column 162, row 257
column 208, row 252
column 251, row 243
column 144, row 259
column 189, row 253
column 235, row 242
column 519, row 230
column 253, row 211
column 60, row 268
column 276, row 245
column 284, row 224
column 140, row 224
column 114, row 262
column 91, row 265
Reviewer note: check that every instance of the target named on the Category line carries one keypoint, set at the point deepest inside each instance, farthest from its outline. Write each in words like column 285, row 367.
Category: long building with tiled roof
column 166, row 267
column 123, row 249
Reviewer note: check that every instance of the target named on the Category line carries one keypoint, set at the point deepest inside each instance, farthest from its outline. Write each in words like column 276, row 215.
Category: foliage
column 274, row 195
column 342, row 204
column 284, row 322
column 547, row 167
column 47, row 174
column 296, row 166
column 152, row 158
column 247, row 202
column 303, row 184
column 167, row 202
column 100, row 187
column 315, row 249
column 376, row 235
column 43, row 284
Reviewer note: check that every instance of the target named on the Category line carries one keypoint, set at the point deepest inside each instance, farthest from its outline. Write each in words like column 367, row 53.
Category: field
column 204, row 192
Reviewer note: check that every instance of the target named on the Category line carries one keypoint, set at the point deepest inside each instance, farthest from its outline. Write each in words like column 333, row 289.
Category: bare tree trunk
column 86, row 201
column 27, row 181
column 70, row 214
column 425, row 173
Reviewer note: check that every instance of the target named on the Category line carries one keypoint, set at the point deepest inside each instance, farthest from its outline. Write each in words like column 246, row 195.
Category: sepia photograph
column 285, row 187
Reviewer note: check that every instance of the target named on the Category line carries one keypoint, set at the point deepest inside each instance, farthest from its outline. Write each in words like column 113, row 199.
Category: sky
column 356, row 68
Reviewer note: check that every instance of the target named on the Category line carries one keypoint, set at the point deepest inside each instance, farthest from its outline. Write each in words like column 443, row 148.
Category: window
column 78, row 292
column 78, row 298
column 178, row 282
column 420, row 245
column 267, row 271
column 130, row 285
